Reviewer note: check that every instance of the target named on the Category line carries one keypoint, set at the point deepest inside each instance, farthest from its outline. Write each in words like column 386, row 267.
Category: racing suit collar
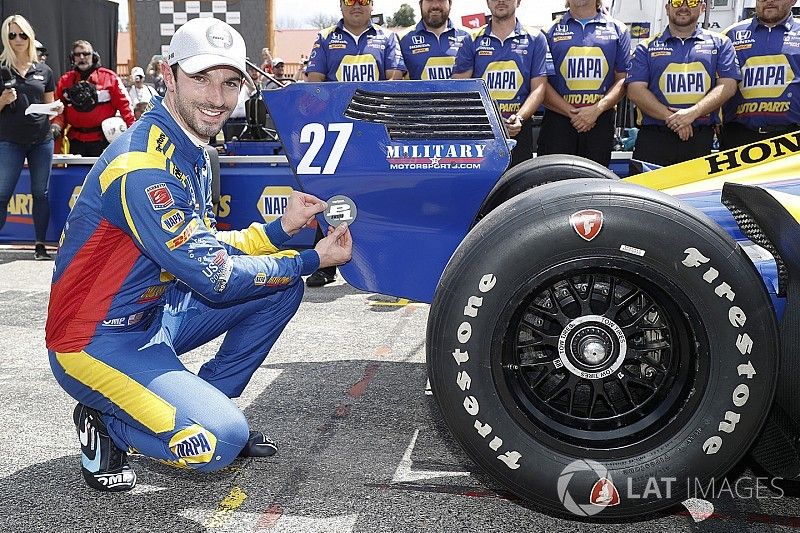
column 698, row 34
column 180, row 137
column 787, row 23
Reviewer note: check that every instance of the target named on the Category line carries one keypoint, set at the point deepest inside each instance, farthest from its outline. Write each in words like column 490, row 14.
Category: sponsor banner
column 461, row 156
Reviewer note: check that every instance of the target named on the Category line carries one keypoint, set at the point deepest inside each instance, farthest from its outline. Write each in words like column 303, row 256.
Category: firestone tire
column 601, row 369
column 538, row 171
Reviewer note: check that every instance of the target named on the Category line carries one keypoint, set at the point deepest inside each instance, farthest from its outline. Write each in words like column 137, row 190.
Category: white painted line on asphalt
column 699, row 509
column 404, row 470
column 238, row 521
column 305, row 524
column 144, row 489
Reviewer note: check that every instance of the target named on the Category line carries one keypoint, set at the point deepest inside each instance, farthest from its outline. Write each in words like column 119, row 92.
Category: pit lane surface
column 359, row 450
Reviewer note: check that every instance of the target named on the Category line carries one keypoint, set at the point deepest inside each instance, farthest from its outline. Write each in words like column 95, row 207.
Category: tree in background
column 322, row 20
column 403, row 18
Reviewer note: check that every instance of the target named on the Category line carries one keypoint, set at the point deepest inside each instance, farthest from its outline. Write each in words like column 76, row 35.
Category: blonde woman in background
column 25, row 81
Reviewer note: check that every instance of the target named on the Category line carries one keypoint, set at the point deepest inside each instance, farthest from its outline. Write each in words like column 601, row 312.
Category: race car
column 595, row 345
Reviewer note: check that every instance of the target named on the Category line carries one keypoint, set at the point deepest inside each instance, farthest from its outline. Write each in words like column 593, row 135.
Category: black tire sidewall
column 531, row 236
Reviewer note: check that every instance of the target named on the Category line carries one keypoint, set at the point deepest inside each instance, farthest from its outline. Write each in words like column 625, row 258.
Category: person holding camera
column 25, row 81
column 91, row 94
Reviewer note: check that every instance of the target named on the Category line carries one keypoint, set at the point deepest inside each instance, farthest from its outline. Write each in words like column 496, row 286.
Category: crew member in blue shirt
column 429, row 50
column 679, row 80
column 353, row 50
column 591, row 56
column 512, row 62
column 767, row 103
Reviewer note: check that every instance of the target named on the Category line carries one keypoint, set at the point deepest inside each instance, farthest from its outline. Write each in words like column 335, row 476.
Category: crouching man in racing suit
column 142, row 276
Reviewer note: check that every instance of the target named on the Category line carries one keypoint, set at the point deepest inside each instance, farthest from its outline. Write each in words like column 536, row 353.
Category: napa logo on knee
column 193, row 445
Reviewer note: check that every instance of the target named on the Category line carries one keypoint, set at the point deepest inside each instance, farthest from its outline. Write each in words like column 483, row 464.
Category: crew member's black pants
column 524, row 148
column 558, row 136
column 662, row 146
column 735, row 134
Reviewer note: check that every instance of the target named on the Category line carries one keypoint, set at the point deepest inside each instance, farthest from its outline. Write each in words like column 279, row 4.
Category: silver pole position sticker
column 340, row 209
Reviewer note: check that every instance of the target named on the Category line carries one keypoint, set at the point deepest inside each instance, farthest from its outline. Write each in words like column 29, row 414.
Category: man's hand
column 57, row 106
column 335, row 249
column 55, row 129
column 513, row 125
column 685, row 133
column 584, row 119
column 300, row 211
column 681, row 118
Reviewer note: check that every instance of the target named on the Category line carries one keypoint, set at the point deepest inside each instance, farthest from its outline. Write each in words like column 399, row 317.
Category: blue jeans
column 40, row 159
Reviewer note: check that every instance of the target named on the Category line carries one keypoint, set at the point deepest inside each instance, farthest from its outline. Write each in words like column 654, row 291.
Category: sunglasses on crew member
column 691, row 3
column 81, row 54
column 13, row 35
column 351, row 3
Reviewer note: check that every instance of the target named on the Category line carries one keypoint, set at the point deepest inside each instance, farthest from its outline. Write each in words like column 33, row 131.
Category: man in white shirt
column 139, row 92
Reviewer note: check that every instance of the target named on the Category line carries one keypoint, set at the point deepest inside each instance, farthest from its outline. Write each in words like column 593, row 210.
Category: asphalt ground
column 361, row 445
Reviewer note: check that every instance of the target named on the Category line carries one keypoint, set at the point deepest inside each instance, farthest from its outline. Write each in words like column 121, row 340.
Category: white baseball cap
column 277, row 61
column 137, row 71
column 207, row 42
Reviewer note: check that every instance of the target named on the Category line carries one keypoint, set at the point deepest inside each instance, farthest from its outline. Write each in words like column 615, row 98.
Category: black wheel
column 538, row 171
column 597, row 347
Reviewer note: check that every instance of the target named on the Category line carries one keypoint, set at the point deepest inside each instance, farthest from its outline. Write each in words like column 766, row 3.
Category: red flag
column 473, row 21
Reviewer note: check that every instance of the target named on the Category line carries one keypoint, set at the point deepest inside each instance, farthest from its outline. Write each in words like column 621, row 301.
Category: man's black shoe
column 104, row 466
column 40, row 253
column 319, row 278
column 258, row 445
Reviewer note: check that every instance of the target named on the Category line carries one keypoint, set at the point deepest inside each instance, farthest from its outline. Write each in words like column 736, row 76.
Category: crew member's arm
column 464, row 65
column 585, row 118
column 538, row 88
column 394, row 63
column 317, row 68
column 529, row 106
column 121, row 101
column 555, row 102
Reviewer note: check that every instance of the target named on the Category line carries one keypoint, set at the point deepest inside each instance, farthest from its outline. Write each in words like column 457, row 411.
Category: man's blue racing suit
column 143, row 276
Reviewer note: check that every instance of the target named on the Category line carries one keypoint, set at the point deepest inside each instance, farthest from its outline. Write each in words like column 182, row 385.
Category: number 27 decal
column 314, row 133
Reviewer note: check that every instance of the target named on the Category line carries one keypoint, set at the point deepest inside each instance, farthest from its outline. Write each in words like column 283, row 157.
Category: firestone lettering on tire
column 471, row 406
column 744, row 344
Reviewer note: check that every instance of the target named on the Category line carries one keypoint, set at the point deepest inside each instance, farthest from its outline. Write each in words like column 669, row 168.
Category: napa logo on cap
column 584, row 68
column 273, row 201
column 503, row 79
column 684, row 83
column 219, row 36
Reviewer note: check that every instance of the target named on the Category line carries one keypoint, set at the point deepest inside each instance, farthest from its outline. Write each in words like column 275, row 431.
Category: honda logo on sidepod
column 587, row 223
